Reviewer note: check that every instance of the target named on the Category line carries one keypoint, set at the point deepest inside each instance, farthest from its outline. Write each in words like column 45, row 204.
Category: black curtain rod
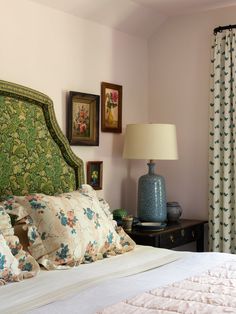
column 221, row 28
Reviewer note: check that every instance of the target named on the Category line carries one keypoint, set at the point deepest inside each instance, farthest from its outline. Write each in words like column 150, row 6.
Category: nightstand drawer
column 178, row 237
column 144, row 239
column 173, row 235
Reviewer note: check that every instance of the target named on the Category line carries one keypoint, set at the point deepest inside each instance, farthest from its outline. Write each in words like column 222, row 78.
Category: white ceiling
column 135, row 17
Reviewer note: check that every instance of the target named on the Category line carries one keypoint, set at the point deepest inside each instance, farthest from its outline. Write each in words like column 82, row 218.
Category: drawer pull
column 172, row 239
column 193, row 234
column 182, row 232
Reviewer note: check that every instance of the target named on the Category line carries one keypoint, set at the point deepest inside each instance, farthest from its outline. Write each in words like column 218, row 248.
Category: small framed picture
column 94, row 174
column 111, row 107
column 83, row 119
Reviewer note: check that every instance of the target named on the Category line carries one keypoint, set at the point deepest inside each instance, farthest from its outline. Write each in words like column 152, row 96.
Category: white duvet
column 89, row 288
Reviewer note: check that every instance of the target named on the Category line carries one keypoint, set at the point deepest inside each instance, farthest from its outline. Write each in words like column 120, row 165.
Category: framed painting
column 111, row 107
column 94, row 174
column 83, row 119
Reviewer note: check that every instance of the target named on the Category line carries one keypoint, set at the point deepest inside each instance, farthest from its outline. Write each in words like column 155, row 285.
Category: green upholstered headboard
column 35, row 156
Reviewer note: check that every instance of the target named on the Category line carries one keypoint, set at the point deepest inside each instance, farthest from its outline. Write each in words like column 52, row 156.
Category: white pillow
column 27, row 264
column 9, row 270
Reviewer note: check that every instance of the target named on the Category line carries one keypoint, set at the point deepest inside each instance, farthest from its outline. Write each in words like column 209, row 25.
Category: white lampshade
column 150, row 141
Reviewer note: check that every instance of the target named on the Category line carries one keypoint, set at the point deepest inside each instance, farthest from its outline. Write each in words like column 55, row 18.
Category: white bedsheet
column 97, row 295
column 54, row 285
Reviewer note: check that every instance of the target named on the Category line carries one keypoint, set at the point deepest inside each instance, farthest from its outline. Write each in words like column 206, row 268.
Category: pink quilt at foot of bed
column 211, row 292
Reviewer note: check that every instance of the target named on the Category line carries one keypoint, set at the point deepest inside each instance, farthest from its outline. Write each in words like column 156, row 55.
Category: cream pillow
column 20, row 230
column 71, row 228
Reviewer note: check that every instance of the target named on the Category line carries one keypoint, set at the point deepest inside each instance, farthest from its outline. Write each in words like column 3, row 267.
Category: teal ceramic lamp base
column 152, row 196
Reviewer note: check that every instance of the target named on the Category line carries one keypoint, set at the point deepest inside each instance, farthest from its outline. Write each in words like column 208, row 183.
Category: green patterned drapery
column 222, row 144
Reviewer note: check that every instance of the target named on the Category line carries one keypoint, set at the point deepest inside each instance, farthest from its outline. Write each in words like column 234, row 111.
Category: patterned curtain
column 222, row 146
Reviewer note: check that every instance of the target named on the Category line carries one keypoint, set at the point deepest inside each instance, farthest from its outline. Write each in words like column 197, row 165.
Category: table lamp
column 152, row 142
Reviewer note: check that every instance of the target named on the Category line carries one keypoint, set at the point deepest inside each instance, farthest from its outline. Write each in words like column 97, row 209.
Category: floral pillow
column 71, row 228
column 9, row 270
column 26, row 263
column 86, row 189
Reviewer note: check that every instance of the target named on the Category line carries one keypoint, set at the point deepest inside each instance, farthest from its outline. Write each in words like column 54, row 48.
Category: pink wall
column 179, row 77
column 54, row 52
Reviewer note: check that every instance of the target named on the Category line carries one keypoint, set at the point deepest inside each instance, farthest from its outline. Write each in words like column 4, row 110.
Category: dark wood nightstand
column 173, row 235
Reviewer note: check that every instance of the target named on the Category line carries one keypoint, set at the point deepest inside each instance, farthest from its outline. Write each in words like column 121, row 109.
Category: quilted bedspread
column 211, row 292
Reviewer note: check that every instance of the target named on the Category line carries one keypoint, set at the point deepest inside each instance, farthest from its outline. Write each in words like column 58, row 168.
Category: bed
column 36, row 159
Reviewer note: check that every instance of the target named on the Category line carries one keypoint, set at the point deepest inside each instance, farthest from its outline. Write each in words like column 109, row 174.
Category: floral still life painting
column 94, row 174
column 111, row 104
column 83, row 119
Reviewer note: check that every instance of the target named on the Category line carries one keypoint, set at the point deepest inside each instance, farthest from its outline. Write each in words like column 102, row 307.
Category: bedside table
column 173, row 235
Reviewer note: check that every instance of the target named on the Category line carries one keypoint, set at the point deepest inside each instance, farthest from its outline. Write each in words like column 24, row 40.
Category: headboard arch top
column 35, row 156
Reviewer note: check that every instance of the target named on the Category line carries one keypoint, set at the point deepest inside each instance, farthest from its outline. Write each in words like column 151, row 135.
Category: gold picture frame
column 111, row 107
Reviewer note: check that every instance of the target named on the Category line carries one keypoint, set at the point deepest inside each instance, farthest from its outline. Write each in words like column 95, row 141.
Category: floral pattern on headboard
column 35, row 156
